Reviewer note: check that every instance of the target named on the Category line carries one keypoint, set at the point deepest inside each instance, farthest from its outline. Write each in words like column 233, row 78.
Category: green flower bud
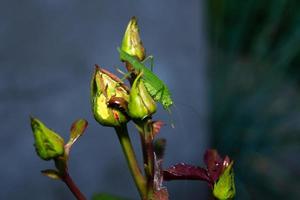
column 141, row 104
column 224, row 187
column 48, row 144
column 132, row 43
column 105, row 86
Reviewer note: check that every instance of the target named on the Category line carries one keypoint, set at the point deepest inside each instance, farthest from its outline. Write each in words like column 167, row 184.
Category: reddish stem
column 72, row 186
column 145, row 129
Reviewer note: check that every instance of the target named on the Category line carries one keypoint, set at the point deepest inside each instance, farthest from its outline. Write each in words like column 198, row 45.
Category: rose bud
column 48, row 144
column 131, row 42
column 141, row 104
column 104, row 87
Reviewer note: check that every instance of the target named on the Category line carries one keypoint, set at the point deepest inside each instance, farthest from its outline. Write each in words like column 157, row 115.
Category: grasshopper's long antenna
column 125, row 74
column 120, row 71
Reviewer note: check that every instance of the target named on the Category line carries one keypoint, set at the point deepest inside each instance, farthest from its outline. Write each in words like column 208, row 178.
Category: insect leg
column 151, row 58
column 158, row 95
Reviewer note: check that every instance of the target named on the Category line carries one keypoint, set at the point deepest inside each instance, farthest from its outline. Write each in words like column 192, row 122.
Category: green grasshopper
column 156, row 87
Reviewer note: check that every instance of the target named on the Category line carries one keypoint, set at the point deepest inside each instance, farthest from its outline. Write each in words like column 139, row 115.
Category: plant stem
column 144, row 150
column 66, row 178
column 145, row 129
column 138, row 177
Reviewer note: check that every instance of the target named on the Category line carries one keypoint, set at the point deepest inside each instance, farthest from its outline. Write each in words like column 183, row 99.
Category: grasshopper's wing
column 159, row 91
column 156, row 87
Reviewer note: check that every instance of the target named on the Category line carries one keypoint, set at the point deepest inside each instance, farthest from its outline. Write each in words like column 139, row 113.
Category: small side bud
column 224, row 187
column 48, row 144
column 132, row 43
column 104, row 87
column 141, row 104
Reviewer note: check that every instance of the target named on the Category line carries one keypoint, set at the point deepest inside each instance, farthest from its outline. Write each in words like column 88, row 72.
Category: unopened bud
column 104, row 87
column 132, row 43
column 48, row 144
column 141, row 104
column 224, row 187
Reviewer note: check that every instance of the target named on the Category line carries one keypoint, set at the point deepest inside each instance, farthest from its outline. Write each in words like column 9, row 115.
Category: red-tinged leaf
column 161, row 194
column 77, row 129
column 184, row 171
column 216, row 168
column 214, row 163
column 226, row 162
column 156, row 125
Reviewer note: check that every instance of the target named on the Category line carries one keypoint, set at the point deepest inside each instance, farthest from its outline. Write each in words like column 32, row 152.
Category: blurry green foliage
column 255, row 93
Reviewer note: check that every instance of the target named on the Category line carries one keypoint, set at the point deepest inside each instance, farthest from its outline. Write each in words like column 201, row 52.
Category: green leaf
column 105, row 196
column 51, row 173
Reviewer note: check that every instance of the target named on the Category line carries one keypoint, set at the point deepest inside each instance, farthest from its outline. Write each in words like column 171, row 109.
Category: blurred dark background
column 254, row 93
column 232, row 67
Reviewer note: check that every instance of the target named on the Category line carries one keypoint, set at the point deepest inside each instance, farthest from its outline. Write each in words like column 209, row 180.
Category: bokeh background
column 232, row 67
column 255, row 93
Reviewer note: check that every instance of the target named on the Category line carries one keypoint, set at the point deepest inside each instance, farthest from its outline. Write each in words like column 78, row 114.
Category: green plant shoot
column 156, row 87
